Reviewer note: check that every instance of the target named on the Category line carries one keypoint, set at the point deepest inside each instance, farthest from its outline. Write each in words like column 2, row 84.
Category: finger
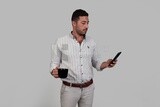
column 56, row 76
column 111, row 65
column 114, row 61
column 55, row 71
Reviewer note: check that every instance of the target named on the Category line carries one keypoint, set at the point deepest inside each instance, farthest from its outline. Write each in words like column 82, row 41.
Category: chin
column 84, row 33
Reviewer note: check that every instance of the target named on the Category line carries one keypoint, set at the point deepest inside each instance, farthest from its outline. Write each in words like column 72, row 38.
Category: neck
column 78, row 37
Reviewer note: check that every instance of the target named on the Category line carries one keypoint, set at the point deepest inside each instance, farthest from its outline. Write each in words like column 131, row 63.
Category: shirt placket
column 80, row 74
column 81, row 65
column 81, row 61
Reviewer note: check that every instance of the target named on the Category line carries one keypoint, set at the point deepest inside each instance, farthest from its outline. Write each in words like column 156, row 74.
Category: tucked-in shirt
column 78, row 58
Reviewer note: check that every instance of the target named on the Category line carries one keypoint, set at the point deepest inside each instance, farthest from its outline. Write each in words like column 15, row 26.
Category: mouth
column 85, row 30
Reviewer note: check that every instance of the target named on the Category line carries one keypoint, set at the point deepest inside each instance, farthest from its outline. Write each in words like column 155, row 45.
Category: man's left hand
column 112, row 63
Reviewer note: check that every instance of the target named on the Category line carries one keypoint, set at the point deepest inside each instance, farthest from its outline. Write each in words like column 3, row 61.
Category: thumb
column 109, row 60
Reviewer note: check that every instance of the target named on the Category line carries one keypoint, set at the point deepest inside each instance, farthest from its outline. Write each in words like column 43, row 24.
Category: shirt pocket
column 88, row 51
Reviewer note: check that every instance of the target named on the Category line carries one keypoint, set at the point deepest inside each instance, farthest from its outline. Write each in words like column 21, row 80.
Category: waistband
column 83, row 85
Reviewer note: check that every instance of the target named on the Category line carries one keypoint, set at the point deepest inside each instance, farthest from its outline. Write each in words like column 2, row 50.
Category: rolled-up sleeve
column 55, row 56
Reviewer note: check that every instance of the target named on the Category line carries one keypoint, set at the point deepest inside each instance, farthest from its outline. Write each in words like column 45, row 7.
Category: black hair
column 77, row 13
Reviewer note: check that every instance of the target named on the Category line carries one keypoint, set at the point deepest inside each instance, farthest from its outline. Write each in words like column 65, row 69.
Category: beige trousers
column 72, row 96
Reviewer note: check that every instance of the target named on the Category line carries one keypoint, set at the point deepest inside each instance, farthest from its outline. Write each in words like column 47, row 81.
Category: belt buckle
column 70, row 84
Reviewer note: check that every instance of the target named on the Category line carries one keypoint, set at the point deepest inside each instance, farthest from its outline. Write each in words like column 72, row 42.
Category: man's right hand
column 55, row 72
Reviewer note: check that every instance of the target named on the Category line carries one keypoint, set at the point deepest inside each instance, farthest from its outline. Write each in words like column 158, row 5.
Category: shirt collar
column 71, row 35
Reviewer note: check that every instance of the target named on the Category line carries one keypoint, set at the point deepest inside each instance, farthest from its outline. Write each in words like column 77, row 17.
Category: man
column 77, row 52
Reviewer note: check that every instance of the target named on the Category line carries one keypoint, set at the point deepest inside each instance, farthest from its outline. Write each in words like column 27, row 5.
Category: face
column 81, row 25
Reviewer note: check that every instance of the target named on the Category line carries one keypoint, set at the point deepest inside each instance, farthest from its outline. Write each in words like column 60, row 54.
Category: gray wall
column 27, row 29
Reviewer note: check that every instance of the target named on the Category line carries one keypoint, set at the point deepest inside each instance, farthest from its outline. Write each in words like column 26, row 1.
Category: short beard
column 84, row 35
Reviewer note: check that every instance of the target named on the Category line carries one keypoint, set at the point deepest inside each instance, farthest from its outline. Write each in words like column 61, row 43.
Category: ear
column 73, row 23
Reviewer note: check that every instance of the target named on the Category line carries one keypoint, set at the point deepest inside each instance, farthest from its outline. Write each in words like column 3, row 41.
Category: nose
column 87, row 25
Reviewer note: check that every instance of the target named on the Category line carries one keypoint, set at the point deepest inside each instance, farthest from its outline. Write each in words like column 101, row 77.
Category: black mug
column 62, row 72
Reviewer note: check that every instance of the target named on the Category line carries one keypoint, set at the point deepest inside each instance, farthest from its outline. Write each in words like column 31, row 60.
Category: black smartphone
column 115, row 58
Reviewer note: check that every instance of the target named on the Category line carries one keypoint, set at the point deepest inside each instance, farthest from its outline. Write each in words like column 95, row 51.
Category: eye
column 83, row 23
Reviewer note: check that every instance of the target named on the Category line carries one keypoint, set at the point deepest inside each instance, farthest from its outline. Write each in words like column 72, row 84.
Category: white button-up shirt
column 78, row 58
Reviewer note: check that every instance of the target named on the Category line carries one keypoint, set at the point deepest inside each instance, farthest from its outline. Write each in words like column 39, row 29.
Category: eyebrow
column 85, row 21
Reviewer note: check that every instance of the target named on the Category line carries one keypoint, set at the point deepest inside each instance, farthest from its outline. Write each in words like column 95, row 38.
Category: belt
column 83, row 85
